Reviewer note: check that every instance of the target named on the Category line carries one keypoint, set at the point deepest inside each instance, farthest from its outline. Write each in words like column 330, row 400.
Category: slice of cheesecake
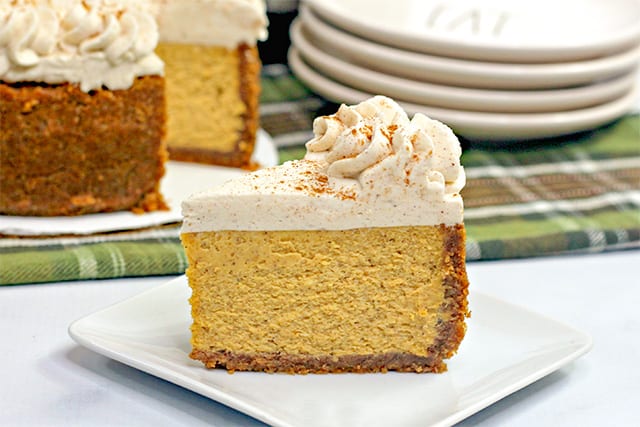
column 213, row 78
column 351, row 260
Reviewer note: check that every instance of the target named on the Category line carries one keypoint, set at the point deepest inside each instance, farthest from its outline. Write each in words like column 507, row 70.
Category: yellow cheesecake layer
column 212, row 97
column 337, row 293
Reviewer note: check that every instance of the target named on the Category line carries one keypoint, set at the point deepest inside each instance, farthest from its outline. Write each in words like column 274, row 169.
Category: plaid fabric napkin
column 569, row 195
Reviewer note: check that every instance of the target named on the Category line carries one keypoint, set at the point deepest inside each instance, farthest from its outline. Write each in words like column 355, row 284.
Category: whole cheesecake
column 350, row 260
column 82, row 107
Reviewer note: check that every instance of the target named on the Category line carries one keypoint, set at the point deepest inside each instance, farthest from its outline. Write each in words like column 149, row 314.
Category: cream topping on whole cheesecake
column 368, row 165
column 93, row 43
column 226, row 23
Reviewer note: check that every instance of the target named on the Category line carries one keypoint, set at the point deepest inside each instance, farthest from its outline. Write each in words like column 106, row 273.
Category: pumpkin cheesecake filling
column 209, row 48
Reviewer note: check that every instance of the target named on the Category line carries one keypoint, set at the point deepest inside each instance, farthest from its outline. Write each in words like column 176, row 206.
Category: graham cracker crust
column 303, row 364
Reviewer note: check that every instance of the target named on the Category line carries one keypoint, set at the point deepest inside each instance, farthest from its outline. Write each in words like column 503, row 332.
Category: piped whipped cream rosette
column 93, row 43
column 368, row 165
column 377, row 144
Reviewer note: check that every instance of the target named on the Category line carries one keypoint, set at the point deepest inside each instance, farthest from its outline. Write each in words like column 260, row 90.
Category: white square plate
column 506, row 348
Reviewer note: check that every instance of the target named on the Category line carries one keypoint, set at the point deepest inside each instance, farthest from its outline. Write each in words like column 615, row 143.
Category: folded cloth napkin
column 575, row 194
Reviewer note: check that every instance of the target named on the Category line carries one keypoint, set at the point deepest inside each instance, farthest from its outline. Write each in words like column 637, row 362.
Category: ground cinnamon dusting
column 368, row 131
column 318, row 183
column 389, row 131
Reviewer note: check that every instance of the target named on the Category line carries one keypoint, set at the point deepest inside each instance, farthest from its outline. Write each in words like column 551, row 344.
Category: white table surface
column 47, row 379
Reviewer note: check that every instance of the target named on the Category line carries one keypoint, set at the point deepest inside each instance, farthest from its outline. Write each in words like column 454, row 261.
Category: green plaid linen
column 568, row 195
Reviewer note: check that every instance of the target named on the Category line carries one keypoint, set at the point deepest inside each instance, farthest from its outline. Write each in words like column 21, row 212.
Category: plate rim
column 443, row 45
column 498, row 75
column 504, row 127
column 79, row 332
column 456, row 97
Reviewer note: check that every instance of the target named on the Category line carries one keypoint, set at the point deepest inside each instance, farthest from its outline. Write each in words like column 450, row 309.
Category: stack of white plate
column 491, row 69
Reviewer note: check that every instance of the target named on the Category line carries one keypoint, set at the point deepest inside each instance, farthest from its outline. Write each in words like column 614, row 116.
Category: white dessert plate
column 492, row 30
column 460, row 72
column 506, row 348
column 460, row 98
column 497, row 127
column 180, row 181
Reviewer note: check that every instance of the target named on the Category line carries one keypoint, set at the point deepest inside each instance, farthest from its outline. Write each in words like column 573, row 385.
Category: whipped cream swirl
column 376, row 144
column 94, row 42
